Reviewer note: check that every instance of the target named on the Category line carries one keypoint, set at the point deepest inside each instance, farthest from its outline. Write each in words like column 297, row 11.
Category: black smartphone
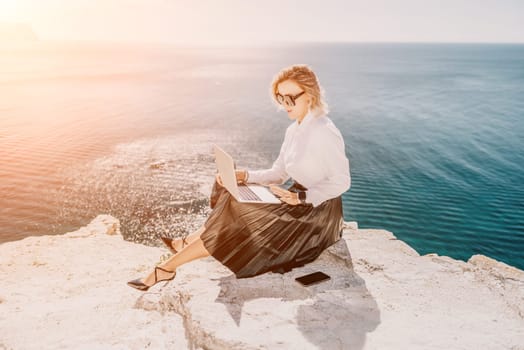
column 312, row 278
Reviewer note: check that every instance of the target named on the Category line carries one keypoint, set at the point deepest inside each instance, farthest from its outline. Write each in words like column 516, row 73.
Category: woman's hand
column 219, row 180
column 285, row 195
column 240, row 175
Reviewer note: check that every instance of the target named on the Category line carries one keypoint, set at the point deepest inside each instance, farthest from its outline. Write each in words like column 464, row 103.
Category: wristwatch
column 302, row 196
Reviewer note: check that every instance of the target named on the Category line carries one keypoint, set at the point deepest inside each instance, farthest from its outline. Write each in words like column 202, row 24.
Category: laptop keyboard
column 247, row 194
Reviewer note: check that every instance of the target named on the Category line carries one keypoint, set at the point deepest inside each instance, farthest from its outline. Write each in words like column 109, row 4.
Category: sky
column 202, row 22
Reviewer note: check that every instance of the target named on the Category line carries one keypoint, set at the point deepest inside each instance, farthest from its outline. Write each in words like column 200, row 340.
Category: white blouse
column 313, row 153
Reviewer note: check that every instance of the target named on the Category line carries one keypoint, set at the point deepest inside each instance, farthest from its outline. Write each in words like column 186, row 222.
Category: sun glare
column 10, row 11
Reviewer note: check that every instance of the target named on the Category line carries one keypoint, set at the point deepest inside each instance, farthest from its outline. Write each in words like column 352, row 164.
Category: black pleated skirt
column 253, row 238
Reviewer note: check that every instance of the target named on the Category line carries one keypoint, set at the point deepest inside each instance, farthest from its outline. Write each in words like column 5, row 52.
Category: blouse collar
column 310, row 115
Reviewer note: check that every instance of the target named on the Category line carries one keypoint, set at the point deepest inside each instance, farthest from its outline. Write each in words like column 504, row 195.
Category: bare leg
column 177, row 242
column 193, row 251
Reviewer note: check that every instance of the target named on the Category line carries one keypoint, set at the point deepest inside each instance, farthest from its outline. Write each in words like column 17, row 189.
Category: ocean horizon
column 433, row 133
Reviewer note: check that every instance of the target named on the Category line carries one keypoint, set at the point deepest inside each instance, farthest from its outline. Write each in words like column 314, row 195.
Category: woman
column 254, row 238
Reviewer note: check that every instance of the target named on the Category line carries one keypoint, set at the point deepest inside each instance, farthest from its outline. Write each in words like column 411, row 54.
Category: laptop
column 245, row 193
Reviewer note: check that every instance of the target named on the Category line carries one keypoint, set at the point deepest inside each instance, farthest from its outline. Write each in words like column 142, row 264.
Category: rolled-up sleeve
column 332, row 155
column 276, row 174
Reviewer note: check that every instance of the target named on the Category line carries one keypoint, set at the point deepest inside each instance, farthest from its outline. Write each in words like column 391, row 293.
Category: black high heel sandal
column 138, row 284
column 167, row 241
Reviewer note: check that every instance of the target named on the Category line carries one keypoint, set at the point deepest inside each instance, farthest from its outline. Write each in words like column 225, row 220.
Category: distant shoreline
column 17, row 33
column 218, row 45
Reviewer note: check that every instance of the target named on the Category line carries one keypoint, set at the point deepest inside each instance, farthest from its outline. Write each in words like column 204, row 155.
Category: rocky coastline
column 69, row 292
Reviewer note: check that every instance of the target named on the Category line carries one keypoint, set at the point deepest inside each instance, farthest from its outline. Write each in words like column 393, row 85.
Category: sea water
column 433, row 133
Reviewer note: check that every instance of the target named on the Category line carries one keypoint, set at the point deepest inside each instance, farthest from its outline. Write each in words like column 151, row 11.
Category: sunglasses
column 288, row 100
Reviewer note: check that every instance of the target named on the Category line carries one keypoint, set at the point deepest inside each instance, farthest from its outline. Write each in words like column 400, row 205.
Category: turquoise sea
column 434, row 134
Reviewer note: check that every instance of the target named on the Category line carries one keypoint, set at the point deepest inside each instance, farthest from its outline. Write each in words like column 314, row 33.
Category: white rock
column 69, row 291
column 350, row 225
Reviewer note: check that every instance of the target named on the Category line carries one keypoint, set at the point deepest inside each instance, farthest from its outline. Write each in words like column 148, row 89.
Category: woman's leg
column 178, row 244
column 193, row 251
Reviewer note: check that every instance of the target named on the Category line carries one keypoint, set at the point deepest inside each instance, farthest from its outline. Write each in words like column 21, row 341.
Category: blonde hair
column 303, row 75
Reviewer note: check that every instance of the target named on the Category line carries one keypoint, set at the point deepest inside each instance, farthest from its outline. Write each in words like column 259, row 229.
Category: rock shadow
column 336, row 314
